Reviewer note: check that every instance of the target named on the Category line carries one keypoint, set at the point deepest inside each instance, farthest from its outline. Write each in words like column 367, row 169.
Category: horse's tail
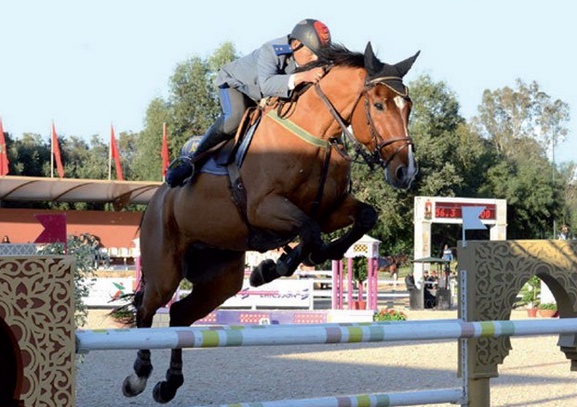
column 137, row 232
column 126, row 314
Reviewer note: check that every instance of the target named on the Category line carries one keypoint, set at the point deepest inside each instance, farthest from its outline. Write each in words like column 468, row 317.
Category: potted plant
column 547, row 310
column 530, row 295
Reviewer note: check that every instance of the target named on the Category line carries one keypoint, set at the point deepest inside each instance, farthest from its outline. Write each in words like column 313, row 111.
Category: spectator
column 564, row 235
column 430, row 289
column 448, row 255
column 410, row 281
column 433, row 280
column 5, row 239
column 430, row 299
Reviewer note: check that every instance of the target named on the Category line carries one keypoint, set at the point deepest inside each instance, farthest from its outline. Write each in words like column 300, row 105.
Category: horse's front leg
column 281, row 216
column 363, row 218
column 136, row 383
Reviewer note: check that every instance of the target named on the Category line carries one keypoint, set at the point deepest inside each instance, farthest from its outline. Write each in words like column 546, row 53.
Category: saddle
column 233, row 151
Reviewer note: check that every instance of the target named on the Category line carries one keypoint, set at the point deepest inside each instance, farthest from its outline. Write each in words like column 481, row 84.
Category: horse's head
column 380, row 119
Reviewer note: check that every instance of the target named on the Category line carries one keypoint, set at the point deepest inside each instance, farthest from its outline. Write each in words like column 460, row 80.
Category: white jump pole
column 195, row 337
column 367, row 400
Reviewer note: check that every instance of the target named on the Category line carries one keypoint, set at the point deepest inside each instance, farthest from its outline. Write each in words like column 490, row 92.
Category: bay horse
column 293, row 184
column 391, row 264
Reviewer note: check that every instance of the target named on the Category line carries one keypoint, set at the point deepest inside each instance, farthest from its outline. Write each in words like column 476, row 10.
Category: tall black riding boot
column 183, row 167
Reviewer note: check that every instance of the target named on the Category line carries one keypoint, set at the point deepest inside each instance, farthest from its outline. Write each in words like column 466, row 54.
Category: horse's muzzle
column 402, row 175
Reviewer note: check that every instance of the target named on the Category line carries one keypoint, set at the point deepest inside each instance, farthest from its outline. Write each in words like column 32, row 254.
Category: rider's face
column 302, row 55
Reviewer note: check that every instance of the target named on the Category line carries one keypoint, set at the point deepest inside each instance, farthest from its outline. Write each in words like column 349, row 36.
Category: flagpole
column 52, row 152
column 164, row 151
column 110, row 155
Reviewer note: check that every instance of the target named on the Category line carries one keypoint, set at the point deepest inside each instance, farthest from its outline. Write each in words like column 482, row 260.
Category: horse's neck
column 343, row 88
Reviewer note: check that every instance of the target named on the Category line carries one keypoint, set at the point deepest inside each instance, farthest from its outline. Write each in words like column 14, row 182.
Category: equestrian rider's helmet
column 314, row 34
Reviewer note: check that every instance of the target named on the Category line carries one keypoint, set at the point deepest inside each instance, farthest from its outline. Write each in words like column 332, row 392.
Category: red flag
column 56, row 151
column 3, row 153
column 54, row 228
column 114, row 154
column 164, row 152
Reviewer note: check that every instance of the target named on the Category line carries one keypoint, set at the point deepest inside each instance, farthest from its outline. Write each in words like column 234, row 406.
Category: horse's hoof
column 264, row 273
column 133, row 385
column 256, row 279
column 163, row 393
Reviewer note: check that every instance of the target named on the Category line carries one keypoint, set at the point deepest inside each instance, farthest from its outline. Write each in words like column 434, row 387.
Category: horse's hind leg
column 204, row 298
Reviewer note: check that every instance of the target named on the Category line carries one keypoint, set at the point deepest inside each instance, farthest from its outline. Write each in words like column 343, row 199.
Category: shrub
column 360, row 269
column 548, row 305
column 391, row 314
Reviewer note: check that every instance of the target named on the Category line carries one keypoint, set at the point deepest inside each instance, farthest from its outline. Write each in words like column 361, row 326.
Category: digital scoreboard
column 453, row 210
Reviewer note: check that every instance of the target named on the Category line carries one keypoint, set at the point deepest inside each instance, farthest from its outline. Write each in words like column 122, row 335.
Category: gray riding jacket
column 263, row 73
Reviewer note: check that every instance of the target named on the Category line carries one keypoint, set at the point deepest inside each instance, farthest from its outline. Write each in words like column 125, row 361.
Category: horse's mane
column 336, row 55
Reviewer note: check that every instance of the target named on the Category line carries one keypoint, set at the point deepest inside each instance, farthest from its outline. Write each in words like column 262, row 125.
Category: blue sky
column 86, row 65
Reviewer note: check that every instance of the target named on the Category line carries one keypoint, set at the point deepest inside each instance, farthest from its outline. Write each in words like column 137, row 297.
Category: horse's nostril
column 401, row 172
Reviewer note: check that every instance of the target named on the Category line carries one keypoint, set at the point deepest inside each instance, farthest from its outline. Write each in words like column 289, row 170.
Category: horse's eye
column 379, row 106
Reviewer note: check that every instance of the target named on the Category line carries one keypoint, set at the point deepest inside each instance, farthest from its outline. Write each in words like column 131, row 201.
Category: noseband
column 376, row 157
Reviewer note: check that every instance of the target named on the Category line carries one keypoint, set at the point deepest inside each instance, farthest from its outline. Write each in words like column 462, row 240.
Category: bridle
column 371, row 158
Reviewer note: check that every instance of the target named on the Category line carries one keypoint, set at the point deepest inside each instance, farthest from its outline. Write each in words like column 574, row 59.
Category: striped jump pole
column 436, row 396
column 263, row 335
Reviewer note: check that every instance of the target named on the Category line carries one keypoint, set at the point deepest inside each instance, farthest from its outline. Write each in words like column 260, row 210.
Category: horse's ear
column 372, row 63
column 404, row 66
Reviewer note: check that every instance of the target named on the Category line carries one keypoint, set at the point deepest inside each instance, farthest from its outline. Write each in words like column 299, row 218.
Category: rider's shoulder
column 279, row 46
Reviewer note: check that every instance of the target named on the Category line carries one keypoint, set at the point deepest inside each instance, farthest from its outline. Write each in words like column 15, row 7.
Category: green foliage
column 526, row 112
column 147, row 165
column 387, row 314
column 548, row 305
column 531, row 292
column 84, row 249
column 29, row 156
column 360, row 268
column 434, row 123
column 533, row 198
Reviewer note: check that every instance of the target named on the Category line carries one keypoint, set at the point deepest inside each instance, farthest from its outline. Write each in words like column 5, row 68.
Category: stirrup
column 179, row 170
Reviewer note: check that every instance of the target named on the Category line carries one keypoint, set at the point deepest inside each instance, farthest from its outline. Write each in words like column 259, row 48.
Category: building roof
column 15, row 188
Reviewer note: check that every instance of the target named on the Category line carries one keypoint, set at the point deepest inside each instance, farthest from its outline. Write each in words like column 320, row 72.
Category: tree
column 506, row 115
column 30, row 156
column 434, row 124
column 568, row 176
column 147, row 165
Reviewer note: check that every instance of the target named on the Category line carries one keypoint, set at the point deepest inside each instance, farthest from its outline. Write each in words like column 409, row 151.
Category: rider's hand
column 311, row 76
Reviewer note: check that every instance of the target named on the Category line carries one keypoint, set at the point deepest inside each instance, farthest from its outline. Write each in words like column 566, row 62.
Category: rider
column 266, row 72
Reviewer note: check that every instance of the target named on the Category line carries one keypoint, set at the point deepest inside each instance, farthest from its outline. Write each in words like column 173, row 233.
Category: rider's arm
column 272, row 77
